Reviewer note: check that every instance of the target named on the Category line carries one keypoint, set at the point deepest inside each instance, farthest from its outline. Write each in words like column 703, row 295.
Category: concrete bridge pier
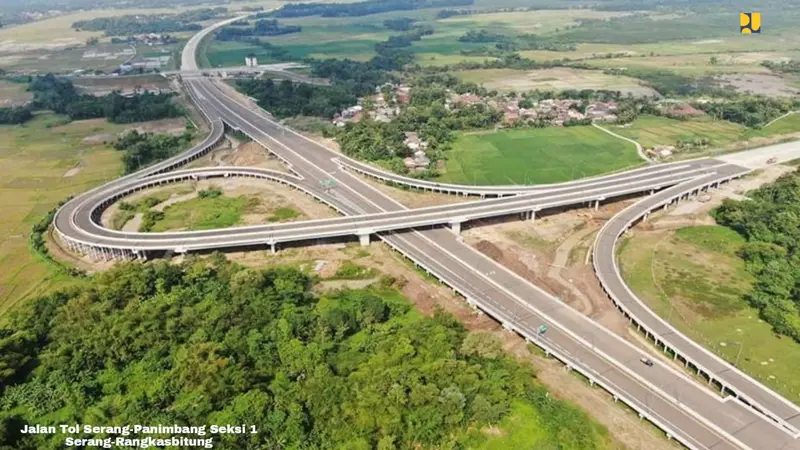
column 363, row 236
column 455, row 225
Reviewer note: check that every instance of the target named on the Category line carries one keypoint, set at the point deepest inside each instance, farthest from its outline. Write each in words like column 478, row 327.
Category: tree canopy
column 770, row 222
column 207, row 341
column 61, row 96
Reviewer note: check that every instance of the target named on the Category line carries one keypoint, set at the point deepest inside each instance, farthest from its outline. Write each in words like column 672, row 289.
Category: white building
column 251, row 61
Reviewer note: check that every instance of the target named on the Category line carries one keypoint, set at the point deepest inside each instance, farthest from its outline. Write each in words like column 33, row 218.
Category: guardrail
column 550, row 348
column 673, row 196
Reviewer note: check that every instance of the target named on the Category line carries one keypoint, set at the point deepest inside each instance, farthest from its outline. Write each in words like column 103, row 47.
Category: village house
column 413, row 142
column 467, row 99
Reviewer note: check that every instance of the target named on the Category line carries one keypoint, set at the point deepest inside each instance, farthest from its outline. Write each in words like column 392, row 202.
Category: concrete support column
column 272, row 248
column 596, row 205
column 508, row 327
column 644, row 219
column 455, row 227
column 364, row 239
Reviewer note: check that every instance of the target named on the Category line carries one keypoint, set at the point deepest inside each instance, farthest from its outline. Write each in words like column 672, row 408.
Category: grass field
column 692, row 64
column 788, row 124
column 693, row 278
column 653, row 130
column 205, row 213
column 559, row 78
column 58, row 30
column 35, row 157
column 13, row 94
column 546, row 155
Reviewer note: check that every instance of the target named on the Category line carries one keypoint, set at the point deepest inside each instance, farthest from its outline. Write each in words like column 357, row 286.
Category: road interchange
column 687, row 411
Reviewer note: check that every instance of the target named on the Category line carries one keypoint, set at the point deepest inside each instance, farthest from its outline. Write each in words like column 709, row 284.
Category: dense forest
column 362, row 8
column 156, row 23
column 209, row 342
column 61, row 96
column 751, row 111
column 143, row 149
column 286, row 99
column 262, row 27
column 770, row 221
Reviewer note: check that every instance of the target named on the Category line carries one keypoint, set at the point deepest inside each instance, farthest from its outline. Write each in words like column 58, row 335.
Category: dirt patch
column 175, row 126
column 73, row 171
column 551, row 252
column 251, row 154
column 557, row 79
column 133, row 224
column 760, row 83
column 699, row 206
column 99, row 139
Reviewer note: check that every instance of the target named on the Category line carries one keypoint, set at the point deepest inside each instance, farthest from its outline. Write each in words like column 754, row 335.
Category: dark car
column 647, row 362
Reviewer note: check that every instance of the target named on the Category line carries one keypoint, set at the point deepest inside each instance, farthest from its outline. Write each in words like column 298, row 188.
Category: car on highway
column 646, row 361
column 772, row 160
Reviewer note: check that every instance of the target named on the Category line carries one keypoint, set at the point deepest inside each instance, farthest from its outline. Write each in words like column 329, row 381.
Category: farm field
column 57, row 31
column 13, row 94
column 545, row 155
column 559, row 78
column 654, row 130
column 693, row 64
column 788, row 124
column 226, row 54
column 38, row 159
column 693, row 279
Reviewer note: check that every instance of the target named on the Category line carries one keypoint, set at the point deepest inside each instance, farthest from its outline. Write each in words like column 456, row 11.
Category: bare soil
column 760, row 83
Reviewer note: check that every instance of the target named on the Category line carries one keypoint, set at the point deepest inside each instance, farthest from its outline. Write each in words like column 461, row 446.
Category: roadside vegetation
column 142, row 149
column 770, row 222
column 695, row 279
column 258, row 347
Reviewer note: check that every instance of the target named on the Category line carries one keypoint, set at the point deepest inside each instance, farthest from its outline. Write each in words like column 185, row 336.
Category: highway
column 686, row 410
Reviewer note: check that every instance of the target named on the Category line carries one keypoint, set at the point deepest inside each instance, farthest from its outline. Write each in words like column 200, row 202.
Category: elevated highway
column 753, row 417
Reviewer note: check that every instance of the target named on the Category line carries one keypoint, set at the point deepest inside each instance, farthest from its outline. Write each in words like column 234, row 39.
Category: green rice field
column 545, row 155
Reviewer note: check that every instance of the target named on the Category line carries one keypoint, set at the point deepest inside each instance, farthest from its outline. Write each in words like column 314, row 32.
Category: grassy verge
column 693, row 278
column 546, row 155
column 204, row 213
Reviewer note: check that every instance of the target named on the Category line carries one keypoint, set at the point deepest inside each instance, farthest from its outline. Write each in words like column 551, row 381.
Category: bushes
column 352, row 271
column 211, row 192
column 149, row 219
column 15, row 115
column 37, row 241
column 143, row 149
